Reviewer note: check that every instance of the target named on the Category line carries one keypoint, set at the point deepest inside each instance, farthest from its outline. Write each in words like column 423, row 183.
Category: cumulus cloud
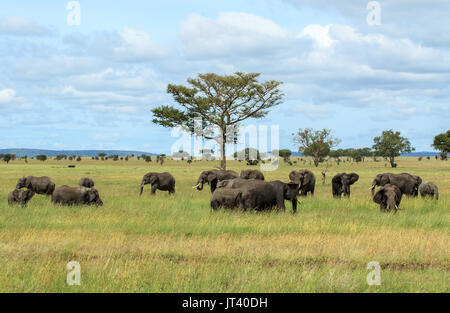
column 232, row 33
column 18, row 26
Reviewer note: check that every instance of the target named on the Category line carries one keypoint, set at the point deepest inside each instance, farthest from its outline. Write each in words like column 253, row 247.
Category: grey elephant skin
column 159, row 181
column 20, row 196
column 407, row 183
column 67, row 195
column 256, row 194
column 306, row 181
column 86, row 182
column 41, row 185
column 212, row 177
column 388, row 197
column 252, row 174
column 226, row 198
column 429, row 190
column 289, row 191
column 340, row 184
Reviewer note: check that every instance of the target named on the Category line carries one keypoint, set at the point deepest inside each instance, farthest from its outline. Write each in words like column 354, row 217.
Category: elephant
column 256, row 194
column 226, row 197
column 41, row 185
column 289, row 191
column 252, row 174
column 212, row 177
column 306, row 181
column 20, row 196
column 161, row 181
column 341, row 184
column 76, row 195
column 388, row 197
column 86, row 182
column 429, row 190
column 407, row 183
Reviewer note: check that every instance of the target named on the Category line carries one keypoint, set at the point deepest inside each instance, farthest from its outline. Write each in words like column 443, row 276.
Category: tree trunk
column 392, row 161
column 316, row 161
column 223, row 162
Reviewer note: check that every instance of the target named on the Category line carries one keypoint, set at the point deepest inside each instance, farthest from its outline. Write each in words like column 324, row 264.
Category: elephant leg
column 154, row 187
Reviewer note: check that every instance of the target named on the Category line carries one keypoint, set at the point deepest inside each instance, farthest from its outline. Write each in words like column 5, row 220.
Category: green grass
column 175, row 243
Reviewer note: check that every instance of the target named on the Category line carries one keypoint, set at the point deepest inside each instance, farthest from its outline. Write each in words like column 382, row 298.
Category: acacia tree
column 315, row 143
column 442, row 143
column 391, row 144
column 222, row 102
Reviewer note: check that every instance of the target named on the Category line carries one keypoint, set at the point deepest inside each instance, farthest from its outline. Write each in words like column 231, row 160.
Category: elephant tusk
column 195, row 186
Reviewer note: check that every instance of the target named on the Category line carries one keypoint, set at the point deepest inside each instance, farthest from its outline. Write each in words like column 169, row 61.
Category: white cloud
column 231, row 33
column 138, row 45
column 313, row 111
column 14, row 25
column 7, row 95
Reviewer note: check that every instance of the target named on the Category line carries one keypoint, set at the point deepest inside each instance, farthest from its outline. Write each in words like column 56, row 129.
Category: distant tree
column 114, row 157
column 41, row 157
column 221, row 101
column 285, row 154
column 315, row 143
column 78, row 158
column 6, row 157
column 101, row 154
column 126, row 158
column 442, row 143
column 248, row 154
column 391, row 144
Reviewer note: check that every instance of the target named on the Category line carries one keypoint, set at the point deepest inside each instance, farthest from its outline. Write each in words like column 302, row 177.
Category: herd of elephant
column 247, row 191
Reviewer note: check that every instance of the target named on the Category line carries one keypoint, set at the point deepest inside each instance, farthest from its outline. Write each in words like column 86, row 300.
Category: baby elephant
column 252, row 174
column 429, row 190
column 388, row 197
column 20, row 196
column 41, row 185
column 341, row 184
column 86, row 182
column 226, row 197
column 76, row 195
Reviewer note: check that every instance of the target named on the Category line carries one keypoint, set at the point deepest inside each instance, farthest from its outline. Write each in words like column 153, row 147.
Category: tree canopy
column 221, row 102
column 315, row 143
column 442, row 143
column 391, row 144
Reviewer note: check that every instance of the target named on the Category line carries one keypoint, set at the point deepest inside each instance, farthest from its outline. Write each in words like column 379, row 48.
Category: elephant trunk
column 142, row 188
column 372, row 188
column 200, row 186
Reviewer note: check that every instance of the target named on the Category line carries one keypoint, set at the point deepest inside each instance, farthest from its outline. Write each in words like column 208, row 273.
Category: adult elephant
column 407, row 183
column 257, row 194
column 212, row 177
column 429, row 190
column 41, row 185
column 341, row 184
column 252, row 174
column 86, row 182
column 306, row 181
column 388, row 197
column 20, row 196
column 67, row 195
column 159, row 181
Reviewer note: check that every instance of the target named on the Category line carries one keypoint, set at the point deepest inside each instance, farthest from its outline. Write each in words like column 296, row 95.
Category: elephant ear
column 353, row 178
column 211, row 176
column 16, row 193
column 153, row 179
column 92, row 195
column 378, row 198
column 398, row 193
column 293, row 176
column 384, row 180
column 27, row 182
column 307, row 178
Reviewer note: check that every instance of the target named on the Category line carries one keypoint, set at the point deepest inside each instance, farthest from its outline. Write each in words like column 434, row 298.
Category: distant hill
column 52, row 153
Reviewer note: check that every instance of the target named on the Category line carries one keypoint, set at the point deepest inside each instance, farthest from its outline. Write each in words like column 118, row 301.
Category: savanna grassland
column 175, row 243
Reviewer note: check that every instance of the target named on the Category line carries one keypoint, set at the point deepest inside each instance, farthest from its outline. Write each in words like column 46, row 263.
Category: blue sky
column 92, row 86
